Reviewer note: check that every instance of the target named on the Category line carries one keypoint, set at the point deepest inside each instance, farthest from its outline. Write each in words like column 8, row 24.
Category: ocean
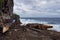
column 55, row 22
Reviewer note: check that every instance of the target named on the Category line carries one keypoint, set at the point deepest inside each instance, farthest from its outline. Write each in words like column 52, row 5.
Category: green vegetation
column 1, row 3
column 15, row 16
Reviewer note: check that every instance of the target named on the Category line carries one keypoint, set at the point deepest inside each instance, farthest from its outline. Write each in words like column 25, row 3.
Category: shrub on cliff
column 15, row 16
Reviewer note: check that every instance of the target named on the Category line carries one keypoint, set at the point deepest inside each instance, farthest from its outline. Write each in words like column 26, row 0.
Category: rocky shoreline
column 29, row 32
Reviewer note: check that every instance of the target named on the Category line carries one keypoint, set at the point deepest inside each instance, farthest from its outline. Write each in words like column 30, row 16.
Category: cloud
column 37, row 8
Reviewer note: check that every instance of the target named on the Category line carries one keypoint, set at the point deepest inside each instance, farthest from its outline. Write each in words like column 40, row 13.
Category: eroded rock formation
column 6, row 13
column 39, row 26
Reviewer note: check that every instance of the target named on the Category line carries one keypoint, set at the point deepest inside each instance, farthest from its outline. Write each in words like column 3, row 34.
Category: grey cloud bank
column 37, row 8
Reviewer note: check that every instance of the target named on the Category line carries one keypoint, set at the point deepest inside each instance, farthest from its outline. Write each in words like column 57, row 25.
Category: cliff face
column 6, row 9
column 6, row 13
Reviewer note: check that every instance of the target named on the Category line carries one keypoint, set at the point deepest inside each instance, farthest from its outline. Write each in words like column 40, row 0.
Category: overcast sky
column 37, row 8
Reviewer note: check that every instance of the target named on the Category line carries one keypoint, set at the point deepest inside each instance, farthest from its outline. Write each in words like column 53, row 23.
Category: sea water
column 55, row 22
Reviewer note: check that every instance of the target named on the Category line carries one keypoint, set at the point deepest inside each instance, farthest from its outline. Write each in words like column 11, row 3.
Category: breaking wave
column 55, row 25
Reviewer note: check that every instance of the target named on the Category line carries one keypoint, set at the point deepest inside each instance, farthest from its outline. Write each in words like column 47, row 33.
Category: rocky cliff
column 6, row 9
column 6, row 13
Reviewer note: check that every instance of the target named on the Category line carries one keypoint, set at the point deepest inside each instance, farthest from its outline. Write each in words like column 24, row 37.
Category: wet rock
column 39, row 26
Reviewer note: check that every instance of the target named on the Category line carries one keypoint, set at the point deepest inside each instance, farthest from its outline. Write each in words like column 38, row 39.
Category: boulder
column 5, row 29
column 38, row 26
column 44, row 26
